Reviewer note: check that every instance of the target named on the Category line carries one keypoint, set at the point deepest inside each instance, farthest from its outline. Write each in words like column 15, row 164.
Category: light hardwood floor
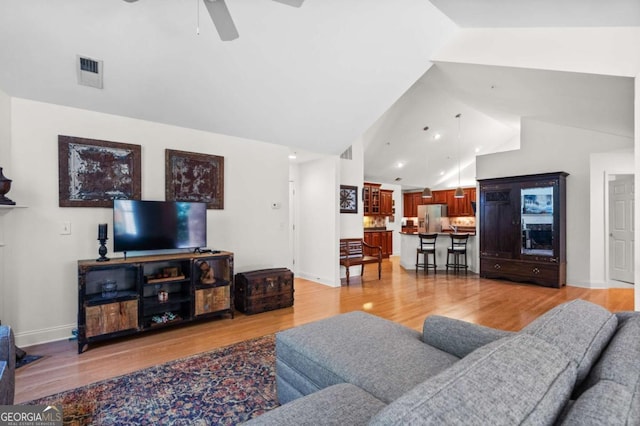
column 402, row 296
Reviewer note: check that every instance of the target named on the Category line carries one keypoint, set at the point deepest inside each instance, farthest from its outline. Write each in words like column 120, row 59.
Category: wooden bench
column 352, row 254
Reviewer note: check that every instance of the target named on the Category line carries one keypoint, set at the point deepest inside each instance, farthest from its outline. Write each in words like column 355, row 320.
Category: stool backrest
column 428, row 241
column 459, row 241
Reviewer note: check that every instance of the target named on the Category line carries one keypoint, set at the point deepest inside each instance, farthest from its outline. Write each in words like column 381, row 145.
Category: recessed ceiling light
column 437, row 136
column 477, row 150
column 400, row 164
column 293, row 156
column 442, row 173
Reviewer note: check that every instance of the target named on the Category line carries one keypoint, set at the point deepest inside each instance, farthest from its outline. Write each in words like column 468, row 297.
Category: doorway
column 621, row 228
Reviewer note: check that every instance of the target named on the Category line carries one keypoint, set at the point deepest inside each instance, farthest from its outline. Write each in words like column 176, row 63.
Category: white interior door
column 621, row 228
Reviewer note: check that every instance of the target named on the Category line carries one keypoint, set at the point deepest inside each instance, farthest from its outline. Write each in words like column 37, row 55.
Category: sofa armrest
column 7, row 366
column 457, row 337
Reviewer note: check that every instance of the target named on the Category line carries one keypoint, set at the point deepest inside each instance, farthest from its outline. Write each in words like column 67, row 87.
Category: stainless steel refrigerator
column 430, row 217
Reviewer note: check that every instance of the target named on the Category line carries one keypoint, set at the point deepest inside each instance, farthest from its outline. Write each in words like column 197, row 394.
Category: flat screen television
column 158, row 225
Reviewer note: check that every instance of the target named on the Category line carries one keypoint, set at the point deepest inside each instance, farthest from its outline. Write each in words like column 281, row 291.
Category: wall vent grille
column 89, row 71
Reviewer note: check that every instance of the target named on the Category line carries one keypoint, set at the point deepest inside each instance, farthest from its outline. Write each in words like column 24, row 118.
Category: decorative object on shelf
column 348, row 199
column 207, row 275
column 426, row 193
column 459, row 191
column 5, row 186
column 93, row 172
column 163, row 296
column 109, row 289
column 164, row 318
column 102, row 237
column 196, row 177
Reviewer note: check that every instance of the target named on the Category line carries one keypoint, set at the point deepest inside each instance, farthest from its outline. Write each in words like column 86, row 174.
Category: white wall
column 41, row 274
column 548, row 147
column 318, row 226
column 594, row 50
column 602, row 166
column 352, row 173
column 5, row 163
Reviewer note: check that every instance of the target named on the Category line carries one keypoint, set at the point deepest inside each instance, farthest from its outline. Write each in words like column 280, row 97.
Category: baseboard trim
column 44, row 335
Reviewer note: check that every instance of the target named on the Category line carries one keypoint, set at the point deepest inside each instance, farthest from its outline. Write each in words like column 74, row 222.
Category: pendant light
column 459, row 192
column 426, row 193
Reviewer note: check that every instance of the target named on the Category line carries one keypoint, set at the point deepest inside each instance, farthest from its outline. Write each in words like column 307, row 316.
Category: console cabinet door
column 111, row 318
column 499, row 230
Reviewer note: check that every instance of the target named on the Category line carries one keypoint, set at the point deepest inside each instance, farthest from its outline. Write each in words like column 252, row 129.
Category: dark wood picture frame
column 348, row 199
column 190, row 176
column 92, row 173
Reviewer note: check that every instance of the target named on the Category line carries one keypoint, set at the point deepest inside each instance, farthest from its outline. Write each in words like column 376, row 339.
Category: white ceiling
column 315, row 78
column 492, row 101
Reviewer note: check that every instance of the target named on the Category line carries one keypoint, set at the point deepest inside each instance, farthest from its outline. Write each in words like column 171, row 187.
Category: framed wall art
column 348, row 199
column 92, row 173
column 190, row 176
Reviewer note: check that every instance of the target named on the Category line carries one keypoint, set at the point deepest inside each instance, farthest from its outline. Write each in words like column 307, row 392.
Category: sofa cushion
column 384, row 358
column 343, row 404
column 605, row 403
column 579, row 328
column 515, row 380
column 620, row 361
column 8, row 369
column 457, row 337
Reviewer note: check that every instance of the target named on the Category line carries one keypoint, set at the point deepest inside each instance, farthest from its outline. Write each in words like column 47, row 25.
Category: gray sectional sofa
column 7, row 366
column 578, row 364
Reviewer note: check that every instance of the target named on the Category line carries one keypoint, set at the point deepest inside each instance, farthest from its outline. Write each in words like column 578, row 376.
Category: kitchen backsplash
column 374, row 222
column 446, row 221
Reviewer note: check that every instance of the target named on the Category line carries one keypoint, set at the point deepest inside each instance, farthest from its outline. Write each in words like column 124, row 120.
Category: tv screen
column 158, row 225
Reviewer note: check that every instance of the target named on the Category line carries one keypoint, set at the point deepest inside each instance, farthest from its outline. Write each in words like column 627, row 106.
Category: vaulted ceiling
column 317, row 77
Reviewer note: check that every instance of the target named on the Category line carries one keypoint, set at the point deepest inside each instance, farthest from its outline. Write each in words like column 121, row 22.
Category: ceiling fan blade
column 294, row 3
column 222, row 19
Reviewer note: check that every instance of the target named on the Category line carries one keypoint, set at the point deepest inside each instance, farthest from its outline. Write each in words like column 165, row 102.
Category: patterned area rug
column 224, row 387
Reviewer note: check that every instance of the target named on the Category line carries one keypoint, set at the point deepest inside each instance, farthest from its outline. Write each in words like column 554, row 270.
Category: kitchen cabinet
column 411, row 201
column 523, row 228
column 383, row 239
column 386, row 202
column 371, row 199
column 455, row 206
column 460, row 206
column 376, row 201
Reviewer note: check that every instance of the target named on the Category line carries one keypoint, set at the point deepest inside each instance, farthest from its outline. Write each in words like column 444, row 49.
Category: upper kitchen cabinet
column 523, row 228
column 461, row 206
column 376, row 201
column 386, row 202
column 455, row 206
column 411, row 201
column 371, row 199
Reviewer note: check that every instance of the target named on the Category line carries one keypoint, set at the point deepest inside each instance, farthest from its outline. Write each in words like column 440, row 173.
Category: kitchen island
column 410, row 242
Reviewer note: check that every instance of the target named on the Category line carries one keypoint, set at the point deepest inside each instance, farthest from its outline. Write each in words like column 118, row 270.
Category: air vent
column 346, row 155
column 89, row 71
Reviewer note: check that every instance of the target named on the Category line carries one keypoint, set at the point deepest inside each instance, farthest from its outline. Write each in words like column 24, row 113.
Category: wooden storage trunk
column 263, row 290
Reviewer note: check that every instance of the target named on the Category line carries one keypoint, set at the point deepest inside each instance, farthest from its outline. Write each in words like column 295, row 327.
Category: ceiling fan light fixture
column 426, row 193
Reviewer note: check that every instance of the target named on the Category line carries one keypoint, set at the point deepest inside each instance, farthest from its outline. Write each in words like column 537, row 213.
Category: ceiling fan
column 222, row 18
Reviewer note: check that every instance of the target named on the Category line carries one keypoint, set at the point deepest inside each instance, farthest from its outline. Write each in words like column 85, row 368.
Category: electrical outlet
column 65, row 228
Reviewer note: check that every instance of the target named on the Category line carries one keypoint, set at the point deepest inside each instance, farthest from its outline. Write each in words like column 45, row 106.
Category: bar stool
column 427, row 247
column 458, row 251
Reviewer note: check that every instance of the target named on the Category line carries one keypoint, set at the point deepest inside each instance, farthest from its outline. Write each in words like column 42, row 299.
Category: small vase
column 5, row 186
